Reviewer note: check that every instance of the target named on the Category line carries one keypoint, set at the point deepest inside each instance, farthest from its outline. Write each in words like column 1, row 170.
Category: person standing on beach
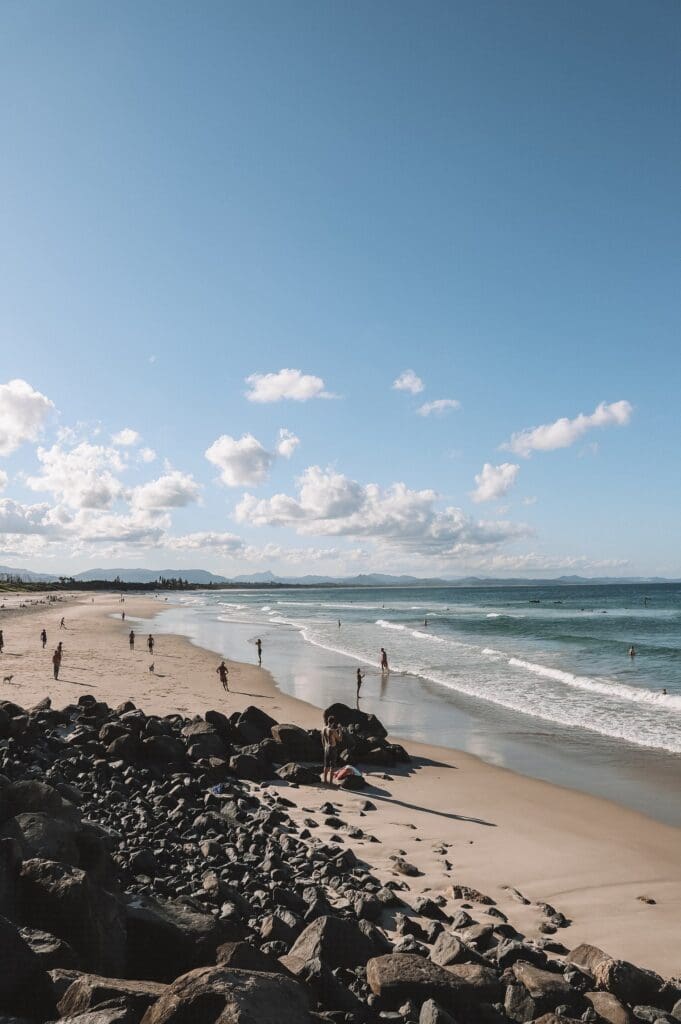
column 43, row 638
column 123, row 616
column 223, row 673
column 331, row 738
column 384, row 660
column 150, row 643
column 258, row 644
column 131, row 639
column 360, row 677
column 2, row 641
column 56, row 662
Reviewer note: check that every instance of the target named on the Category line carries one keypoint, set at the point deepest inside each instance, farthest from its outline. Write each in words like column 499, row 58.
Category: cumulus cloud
column 81, row 477
column 3, row 479
column 331, row 504
column 146, row 455
column 224, row 543
column 24, row 519
column 140, row 527
column 408, row 381
column 242, row 463
column 172, row 490
column 293, row 384
column 564, row 432
column 494, row 481
column 287, row 443
column 23, row 412
column 126, row 437
column 438, row 407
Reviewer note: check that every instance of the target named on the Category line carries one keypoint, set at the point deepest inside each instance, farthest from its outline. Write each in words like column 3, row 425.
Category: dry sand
column 591, row 859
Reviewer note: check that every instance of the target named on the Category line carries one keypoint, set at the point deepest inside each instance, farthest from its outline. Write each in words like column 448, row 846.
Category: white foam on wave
column 384, row 624
column 608, row 688
column 266, row 608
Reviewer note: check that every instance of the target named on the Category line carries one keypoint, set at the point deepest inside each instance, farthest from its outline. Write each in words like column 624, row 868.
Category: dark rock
column 399, row 976
column 362, row 723
column 51, row 951
column 167, row 937
column 242, row 956
column 219, row 995
column 253, row 725
column 90, row 991
column 43, row 835
column 448, row 949
column 64, row 901
column 431, row 1013
column 245, row 766
column 336, row 942
column 404, row 867
column 537, row 992
column 299, row 774
column 296, row 744
column 322, row 985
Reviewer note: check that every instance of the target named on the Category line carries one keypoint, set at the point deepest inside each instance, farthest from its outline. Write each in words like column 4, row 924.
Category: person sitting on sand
column 258, row 644
column 223, row 673
column 360, row 677
column 131, row 639
column 150, row 643
column 56, row 662
column 331, row 737
column 384, row 660
column 43, row 638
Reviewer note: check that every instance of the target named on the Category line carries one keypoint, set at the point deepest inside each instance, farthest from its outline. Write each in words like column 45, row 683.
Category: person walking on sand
column 150, row 643
column 56, row 662
column 223, row 673
column 258, row 644
column 360, row 677
column 123, row 616
column 131, row 639
column 384, row 660
column 43, row 638
column 331, row 738
column 62, row 624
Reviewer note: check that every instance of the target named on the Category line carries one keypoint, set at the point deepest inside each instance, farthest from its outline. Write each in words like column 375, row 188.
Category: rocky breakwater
column 146, row 878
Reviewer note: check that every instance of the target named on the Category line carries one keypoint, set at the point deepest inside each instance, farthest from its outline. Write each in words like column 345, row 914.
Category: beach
column 614, row 873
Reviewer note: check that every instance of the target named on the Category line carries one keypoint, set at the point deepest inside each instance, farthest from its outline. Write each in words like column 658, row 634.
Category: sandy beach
column 615, row 874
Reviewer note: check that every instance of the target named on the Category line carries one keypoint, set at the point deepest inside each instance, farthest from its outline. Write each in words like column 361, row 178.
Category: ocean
column 538, row 679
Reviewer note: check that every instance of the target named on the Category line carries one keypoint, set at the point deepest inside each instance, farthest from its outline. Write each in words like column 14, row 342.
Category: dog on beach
column 7, row 679
column 151, row 667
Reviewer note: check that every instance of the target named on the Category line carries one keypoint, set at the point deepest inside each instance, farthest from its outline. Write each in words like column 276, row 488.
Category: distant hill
column 26, row 576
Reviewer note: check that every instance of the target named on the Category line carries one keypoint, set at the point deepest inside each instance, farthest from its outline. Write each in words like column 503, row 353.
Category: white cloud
column 172, row 490
column 81, row 477
column 287, row 443
column 140, row 527
column 438, row 407
column 531, row 499
column 494, row 481
column 408, row 381
column 224, row 543
column 3, row 479
column 242, row 463
column 564, row 432
column 24, row 519
column 294, row 384
column 331, row 504
column 146, row 455
column 536, row 562
column 126, row 437
column 23, row 412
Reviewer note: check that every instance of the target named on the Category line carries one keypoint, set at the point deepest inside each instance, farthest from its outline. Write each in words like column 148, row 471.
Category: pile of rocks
column 143, row 881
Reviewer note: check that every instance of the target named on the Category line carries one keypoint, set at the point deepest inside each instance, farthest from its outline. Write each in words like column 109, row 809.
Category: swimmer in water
column 632, row 652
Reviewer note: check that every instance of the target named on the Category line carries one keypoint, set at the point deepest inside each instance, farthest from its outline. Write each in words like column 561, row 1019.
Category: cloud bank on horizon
column 94, row 502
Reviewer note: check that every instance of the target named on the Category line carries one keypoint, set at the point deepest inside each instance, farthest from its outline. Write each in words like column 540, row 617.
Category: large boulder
column 357, row 721
column 609, row 1008
column 628, row 983
column 254, row 725
column 448, row 949
column 163, row 750
column 64, row 901
column 51, row 951
column 537, row 992
column 398, row 977
column 90, row 990
column 167, row 938
column 431, row 1013
column 244, row 957
column 32, row 795
column 296, row 744
column 322, row 984
column 219, row 995
column 24, row 986
column 336, row 942
column 299, row 774
column 246, row 766
column 43, row 835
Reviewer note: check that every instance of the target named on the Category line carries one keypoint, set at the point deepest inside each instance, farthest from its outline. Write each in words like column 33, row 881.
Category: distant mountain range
column 203, row 577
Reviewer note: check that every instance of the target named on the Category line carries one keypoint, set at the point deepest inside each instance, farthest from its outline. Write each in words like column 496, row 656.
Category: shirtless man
column 223, row 673
column 384, row 660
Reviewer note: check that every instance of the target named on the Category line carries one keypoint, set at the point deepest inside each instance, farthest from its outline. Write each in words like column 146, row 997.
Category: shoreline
column 591, row 858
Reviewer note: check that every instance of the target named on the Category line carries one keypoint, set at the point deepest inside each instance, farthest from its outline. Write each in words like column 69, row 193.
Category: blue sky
column 483, row 193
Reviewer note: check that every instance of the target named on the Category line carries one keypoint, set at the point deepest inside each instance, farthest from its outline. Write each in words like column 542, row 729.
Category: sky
column 337, row 288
